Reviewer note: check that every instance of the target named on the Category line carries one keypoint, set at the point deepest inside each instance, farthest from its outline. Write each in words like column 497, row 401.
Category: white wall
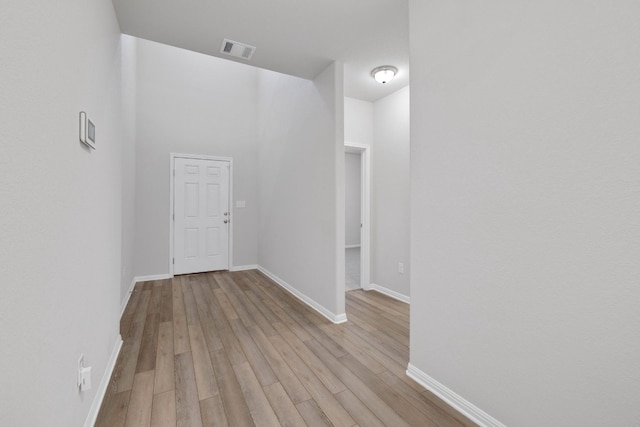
column 352, row 178
column 358, row 122
column 390, row 199
column 196, row 104
column 301, row 170
column 525, row 237
column 60, row 227
column 128, row 90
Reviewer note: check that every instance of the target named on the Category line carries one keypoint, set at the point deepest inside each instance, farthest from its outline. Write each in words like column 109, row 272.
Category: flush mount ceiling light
column 384, row 74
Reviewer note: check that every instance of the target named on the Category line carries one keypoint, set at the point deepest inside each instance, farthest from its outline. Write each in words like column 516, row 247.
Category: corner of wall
column 456, row 401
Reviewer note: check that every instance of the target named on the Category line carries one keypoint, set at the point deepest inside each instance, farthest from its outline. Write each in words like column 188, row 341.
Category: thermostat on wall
column 87, row 131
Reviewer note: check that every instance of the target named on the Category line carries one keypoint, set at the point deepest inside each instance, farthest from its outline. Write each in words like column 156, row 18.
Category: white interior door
column 201, row 215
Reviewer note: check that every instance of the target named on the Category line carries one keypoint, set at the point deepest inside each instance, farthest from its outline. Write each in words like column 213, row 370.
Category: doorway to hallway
column 357, row 205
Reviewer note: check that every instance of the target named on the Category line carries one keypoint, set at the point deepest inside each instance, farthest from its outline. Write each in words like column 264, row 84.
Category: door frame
column 365, row 211
column 172, row 157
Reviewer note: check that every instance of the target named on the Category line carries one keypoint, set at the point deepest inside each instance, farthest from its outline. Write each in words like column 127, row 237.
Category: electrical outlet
column 401, row 267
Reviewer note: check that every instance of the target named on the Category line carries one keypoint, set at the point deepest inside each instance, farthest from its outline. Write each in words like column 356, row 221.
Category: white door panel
column 201, row 215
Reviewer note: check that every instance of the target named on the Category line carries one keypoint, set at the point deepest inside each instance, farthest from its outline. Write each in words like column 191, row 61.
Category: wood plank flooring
column 234, row 349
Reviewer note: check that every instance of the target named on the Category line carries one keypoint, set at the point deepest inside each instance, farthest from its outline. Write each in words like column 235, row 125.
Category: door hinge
column 174, row 172
column 173, row 260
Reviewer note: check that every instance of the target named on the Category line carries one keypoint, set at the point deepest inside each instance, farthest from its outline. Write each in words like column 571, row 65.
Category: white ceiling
column 297, row 37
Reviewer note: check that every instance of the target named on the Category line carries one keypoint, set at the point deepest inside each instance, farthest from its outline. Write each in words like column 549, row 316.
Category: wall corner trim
column 244, row 267
column 335, row 318
column 104, row 383
column 456, row 401
column 388, row 292
column 135, row 280
column 125, row 300
column 340, row 318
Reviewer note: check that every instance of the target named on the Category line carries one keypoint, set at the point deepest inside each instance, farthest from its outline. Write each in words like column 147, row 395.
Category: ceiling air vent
column 239, row 50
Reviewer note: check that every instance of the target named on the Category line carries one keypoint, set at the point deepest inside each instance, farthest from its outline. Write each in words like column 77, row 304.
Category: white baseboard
column 335, row 318
column 244, row 267
column 104, row 383
column 456, row 401
column 351, row 246
column 133, row 284
column 152, row 277
column 125, row 301
column 388, row 292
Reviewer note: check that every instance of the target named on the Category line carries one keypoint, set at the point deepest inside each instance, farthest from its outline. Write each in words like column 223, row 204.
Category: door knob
column 225, row 221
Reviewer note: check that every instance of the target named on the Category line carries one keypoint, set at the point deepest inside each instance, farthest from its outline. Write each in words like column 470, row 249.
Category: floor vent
column 239, row 50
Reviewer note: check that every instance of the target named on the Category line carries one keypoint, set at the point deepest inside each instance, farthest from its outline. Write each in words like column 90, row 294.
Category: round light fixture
column 384, row 74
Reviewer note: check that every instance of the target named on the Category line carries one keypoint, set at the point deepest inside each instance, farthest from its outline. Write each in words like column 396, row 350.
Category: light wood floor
column 235, row 349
